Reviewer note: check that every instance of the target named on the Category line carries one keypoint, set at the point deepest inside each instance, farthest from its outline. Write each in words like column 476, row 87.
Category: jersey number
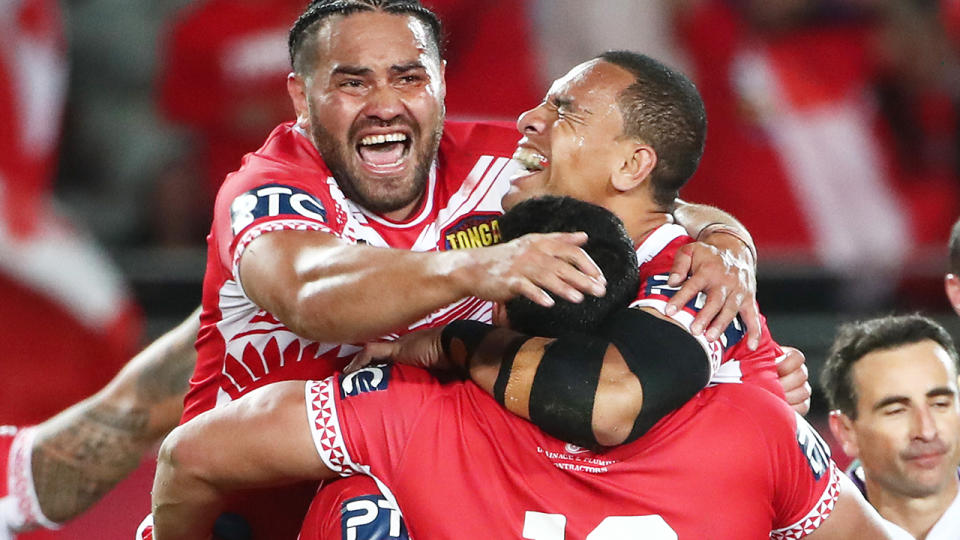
column 539, row 526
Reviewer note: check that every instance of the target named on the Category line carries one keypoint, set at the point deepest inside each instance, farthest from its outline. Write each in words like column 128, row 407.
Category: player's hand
column 792, row 370
column 421, row 349
column 727, row 278
column 534, row 264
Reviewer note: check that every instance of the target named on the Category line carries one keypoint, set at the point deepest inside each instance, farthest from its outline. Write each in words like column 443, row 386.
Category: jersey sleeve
column 806, row 480
column 352, row 508
column 262, row 197
column 361, row 422
column 730, row 358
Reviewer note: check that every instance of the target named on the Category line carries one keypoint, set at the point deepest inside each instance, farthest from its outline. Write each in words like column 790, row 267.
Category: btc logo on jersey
column 274, row 200
column 370, row 517
column 478, row 230
column 814, row 448
column 368, row 379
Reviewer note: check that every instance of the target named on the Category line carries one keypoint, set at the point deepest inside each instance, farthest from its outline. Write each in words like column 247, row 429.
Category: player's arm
column 852, row 517
column 325, row 289
column 259, row 440
column 82, row 452
column 603, row 389
column 722, row 264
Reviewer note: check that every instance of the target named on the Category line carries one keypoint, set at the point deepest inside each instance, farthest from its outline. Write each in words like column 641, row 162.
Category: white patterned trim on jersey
column 820, row 511
column 325, row 427
column 276, row 225
column 20, row 509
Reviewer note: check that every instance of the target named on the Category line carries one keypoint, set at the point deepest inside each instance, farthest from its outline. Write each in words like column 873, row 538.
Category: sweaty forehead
column 595, row 82
column 369, row 39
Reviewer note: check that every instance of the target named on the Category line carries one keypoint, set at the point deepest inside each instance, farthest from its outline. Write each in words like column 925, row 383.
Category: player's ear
column 842, row 428
column 952, row 285
column 297, row 89
column 635, row 164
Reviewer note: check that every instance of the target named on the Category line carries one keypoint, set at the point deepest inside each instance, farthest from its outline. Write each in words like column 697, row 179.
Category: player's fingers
column 791, row 360
column 799, row 399
column 525, row 287
column 370, row 353
column 682, row 265
column 750, row 316
column 715, row 300
column 725, row 316
column 578, row 281
column 578, row 259
column 685, row 294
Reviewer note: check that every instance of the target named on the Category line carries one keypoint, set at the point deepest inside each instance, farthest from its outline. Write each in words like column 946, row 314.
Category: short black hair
column 856, row 340
column 608, row 245
column 662, row 108
column 319, row 10
column 955, row 248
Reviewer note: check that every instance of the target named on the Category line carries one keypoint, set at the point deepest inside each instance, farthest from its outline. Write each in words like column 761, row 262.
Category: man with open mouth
column 298, row 269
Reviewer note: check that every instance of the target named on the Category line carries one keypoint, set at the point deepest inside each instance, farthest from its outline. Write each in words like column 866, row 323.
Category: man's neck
column 916, row 515
column 639, row 217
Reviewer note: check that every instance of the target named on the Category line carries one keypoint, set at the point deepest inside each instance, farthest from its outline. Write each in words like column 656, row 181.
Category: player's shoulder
column 479, row 137
column 660, row 246
column 754, row 404
column 387, row 378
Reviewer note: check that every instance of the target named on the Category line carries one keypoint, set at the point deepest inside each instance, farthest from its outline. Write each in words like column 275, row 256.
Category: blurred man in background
column 892, row 385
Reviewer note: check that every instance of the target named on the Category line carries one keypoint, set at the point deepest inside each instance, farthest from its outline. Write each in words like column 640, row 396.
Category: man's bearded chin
column 368, row 194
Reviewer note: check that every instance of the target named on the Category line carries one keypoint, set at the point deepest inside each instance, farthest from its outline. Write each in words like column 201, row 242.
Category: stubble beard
column 376, row 195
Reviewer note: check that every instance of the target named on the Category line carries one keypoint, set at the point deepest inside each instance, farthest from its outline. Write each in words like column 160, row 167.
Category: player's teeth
column 530, row 159
column 380, row 139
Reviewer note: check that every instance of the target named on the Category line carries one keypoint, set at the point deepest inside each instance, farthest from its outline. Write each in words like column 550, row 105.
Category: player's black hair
column 955, row 248
column 856, row 340
column 305, row 28
column 608, row 245
column 662, row 108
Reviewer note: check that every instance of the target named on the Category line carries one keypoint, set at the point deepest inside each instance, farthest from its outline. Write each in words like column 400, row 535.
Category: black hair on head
column 608, row 245
column 662, row 108
column 319, row 10
column 858, row 339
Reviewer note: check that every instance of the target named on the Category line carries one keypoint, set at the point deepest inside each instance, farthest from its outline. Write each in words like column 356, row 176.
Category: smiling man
column 299, row 272
column 892, row 383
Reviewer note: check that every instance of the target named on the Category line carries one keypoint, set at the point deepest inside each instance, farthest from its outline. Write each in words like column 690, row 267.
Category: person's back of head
column 608, row 245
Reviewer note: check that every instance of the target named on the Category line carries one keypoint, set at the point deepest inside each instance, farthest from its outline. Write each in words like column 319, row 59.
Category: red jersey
column 733, row 361
column 463, row 467
column 286, row 186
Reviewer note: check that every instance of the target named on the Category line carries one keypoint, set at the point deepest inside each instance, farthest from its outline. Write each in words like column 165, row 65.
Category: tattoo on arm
column 75, row 466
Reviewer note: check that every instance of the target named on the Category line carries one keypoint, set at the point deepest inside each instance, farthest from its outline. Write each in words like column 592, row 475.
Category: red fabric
column 492, row 67
column 50, row 360
column 224, row 70
column 491, row 470
column 26, row 174
column 331, row 516
column 656, row 254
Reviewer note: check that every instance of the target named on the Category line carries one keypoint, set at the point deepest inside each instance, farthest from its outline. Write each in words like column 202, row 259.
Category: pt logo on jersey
column 274, row 200
column 371, row 517
column 368, row 379
column 478, row 230
column 814, row 448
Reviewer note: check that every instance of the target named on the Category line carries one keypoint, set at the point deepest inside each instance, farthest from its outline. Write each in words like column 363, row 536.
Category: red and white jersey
column 735, row 462
column 19, row 507
column 285, row 185
column 733, row 361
